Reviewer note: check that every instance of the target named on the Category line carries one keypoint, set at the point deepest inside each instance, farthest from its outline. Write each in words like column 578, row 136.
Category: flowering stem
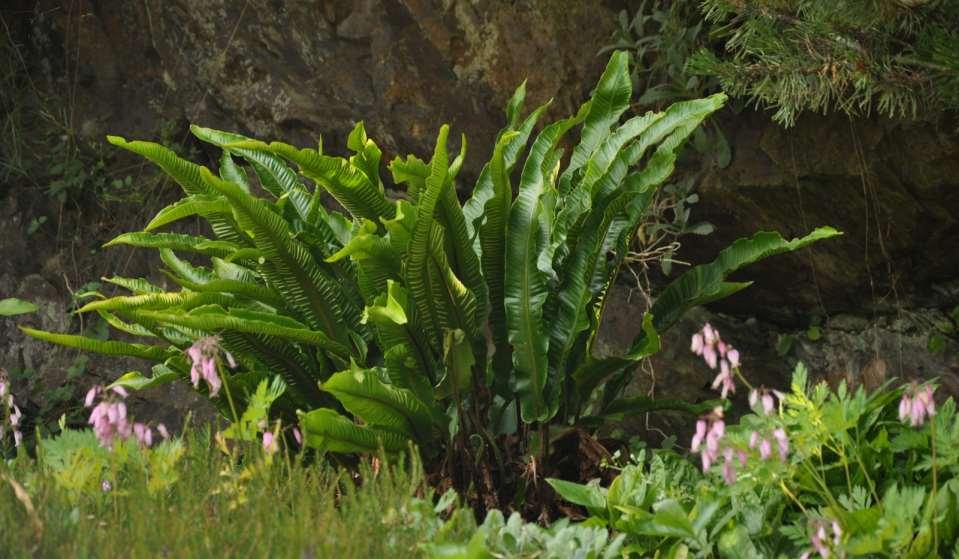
column 865, row 473
column 782, row 485
column 739, row 374
column 229, row 396
column 935, row 487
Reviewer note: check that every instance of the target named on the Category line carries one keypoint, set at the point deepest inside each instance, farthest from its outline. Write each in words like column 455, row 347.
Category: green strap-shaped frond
column 594, row 371
column 279, row 356
column 275, row 176
column 608, row 164
column 614, row 217
column 463, row 260
column 368, row 154
column 179, row 299
column 609, row 102
column 408, row 360
column 123, row 326
column 698, row 286
column 154, row 353
column 138, row 286
column 230, row 171
column 233, row 271
column 412, row 172
column 175, row 241
column 441, row 300
column 250, row 322
column 288, row 268
column 186, row 174
column 134, row 380
column 525, row 283
column 345, row 182
column 183, row 269
column 365, row 395
column 328, row 431
column 375, row 258
column 198, row 204
column 704, row 283
column 255, row 292
column 474, row 208
column 492, row 236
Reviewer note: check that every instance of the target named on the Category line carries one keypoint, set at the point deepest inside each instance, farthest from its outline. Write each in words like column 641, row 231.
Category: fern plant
column 463, row 328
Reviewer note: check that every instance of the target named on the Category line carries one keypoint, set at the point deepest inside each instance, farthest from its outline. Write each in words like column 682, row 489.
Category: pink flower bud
column 709, row 355
column 710, row 335
column 733, row 356
column 699, row 436
column 91, row 396
column 765, row 449
column 729, row 468
column 769, row 405
column 297, row 435
column 783, row 443
column 905, row 408
column 697, row 344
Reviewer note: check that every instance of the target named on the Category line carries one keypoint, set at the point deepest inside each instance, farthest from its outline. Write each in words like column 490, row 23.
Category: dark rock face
column 296, row 71
column 299, row 70
column 891, row 187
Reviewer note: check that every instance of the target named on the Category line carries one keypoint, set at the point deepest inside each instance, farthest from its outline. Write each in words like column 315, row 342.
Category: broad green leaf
column 459, row 360
column 134, row 380
column 13, row 306
column 326, row 430
column 364, row 395
column 592, row 497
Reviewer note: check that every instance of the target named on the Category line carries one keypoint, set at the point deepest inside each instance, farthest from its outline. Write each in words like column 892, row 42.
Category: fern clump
column 468, row 328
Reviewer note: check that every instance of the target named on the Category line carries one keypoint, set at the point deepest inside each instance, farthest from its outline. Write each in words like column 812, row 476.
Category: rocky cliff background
column 877, row 303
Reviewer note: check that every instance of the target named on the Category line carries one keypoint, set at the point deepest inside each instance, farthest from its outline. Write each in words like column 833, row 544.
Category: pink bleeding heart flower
column 204, row 354
column 269, row 442
column 917, row 405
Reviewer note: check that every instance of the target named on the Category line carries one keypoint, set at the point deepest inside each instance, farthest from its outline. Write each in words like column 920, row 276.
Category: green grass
column 219, row 507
